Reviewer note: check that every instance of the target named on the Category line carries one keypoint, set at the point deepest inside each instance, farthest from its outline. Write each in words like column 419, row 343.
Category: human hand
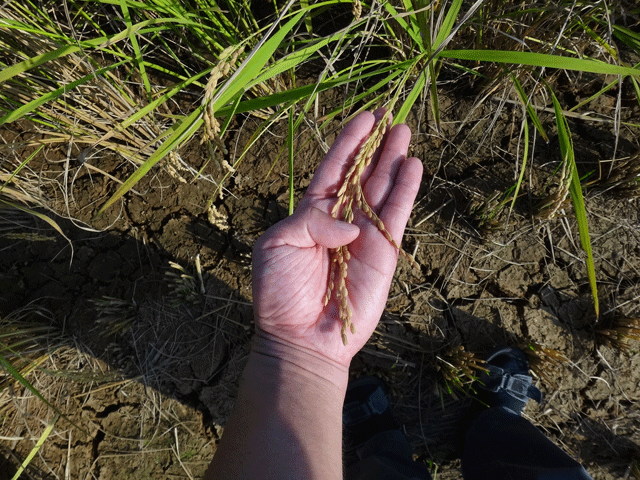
column 291, row 260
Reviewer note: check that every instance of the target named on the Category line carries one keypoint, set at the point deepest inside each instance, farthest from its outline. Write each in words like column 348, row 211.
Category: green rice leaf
column 533, row 115
column 525, row 155
column 575, row 189
column 404, row 110
column 36, row 448
column 136, row 48
column 48, row 97
column 540, row 60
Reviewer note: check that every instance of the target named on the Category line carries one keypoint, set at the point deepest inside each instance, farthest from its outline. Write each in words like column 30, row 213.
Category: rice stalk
column 227, row 60
column 350, row 196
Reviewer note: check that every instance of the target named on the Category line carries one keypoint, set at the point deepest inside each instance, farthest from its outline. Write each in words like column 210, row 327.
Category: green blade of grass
column 406, row 106
column 540, row 60
column 568, row 155
column 628, row 36
column 25, row 383
column 525, row 154
column 30, row 107
column 98, row 43
column 290, row 152
column 36, row 448
column 533, row 115
column 136, row 48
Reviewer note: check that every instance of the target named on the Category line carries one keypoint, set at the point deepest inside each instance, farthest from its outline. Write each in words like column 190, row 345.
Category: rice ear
column 349, row 194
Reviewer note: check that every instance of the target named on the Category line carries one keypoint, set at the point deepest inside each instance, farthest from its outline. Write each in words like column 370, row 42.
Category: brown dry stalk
column 351, row 195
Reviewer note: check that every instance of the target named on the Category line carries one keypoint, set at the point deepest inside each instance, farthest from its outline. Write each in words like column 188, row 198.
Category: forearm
column 287, row 421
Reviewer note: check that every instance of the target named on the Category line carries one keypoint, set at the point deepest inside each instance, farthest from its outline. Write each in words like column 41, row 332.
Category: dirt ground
column 147, row 366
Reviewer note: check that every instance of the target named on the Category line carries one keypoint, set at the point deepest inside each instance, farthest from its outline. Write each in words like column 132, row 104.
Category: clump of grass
column 114, row 315
column 543, row 361
column 483, row 213
column 458, row 370
column 622, row 179
column 621, row 333
column 26, row 337
column 183, row 287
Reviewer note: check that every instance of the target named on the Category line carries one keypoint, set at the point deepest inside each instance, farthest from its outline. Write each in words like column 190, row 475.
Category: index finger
column 329, row 175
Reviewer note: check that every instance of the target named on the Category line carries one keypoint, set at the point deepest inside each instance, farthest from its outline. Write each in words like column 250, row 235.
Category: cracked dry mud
column 179, row 363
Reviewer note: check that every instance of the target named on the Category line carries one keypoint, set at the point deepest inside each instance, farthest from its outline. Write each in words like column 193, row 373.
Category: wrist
column 293, row 361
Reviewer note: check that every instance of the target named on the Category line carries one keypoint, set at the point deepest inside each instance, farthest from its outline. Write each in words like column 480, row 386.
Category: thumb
column 328, row 231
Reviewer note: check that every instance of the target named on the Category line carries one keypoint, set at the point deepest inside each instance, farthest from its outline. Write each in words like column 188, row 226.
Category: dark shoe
column 507, row 384
column 366, row 411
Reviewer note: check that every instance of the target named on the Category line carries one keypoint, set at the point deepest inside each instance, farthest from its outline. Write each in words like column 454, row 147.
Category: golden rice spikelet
column 226, row 61
column 356, row 9
column 351, row 195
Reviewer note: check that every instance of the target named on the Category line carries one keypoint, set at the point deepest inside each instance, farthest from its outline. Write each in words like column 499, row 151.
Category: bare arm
column 287, row 422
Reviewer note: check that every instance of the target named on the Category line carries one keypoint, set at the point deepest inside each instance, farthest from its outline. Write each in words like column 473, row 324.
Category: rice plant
column 458, row 369
column 26, row 337
column 184, row 287
column 622, row 333
column 543, row 361
column 622, row 178
column 140, row 80
column 113, row 315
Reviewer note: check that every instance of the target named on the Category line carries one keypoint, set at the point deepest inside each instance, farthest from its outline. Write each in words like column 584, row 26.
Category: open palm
column 291, row 260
